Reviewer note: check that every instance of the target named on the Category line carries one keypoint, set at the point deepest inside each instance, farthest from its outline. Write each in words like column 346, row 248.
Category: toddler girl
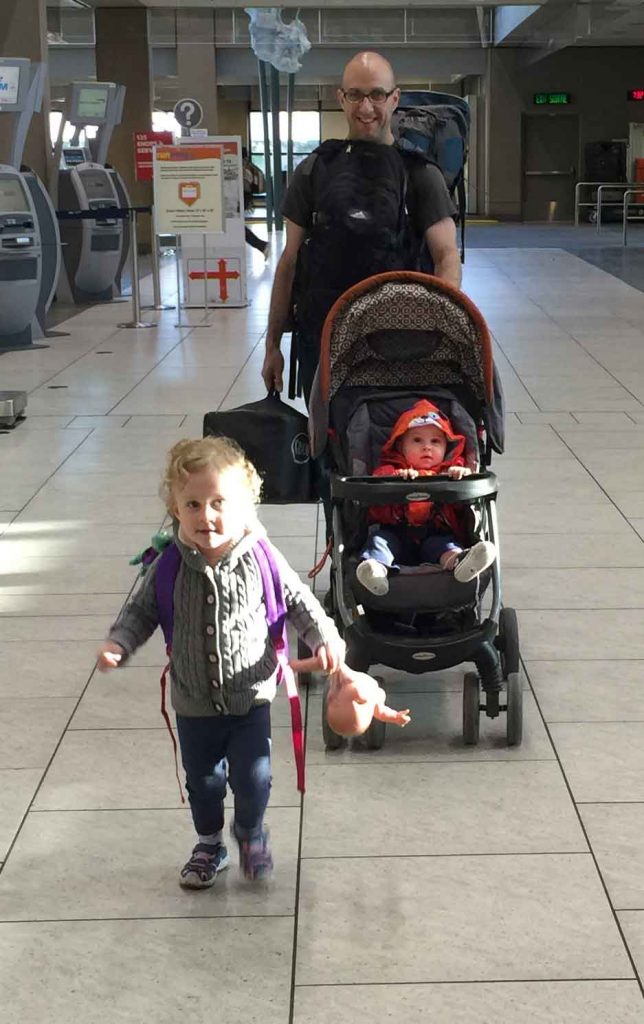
column 223, row 665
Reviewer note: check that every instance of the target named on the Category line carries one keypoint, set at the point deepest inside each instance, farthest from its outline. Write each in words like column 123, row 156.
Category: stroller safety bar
column 393, row 490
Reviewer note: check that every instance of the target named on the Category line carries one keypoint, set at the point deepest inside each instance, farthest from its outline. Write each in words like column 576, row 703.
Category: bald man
column 368, row 97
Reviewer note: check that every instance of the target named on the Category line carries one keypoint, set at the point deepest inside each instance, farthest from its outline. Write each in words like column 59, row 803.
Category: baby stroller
column 388, row 342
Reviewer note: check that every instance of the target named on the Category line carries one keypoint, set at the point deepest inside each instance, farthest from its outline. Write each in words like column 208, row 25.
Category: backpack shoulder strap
column 164, row 580
column 273, row 590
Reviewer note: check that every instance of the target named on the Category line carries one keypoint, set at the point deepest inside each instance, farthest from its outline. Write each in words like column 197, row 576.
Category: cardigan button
column 212, row 658
column 210, row 599
column 210, row 630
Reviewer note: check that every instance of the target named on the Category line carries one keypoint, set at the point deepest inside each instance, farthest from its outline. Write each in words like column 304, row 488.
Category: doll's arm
column 385, row 714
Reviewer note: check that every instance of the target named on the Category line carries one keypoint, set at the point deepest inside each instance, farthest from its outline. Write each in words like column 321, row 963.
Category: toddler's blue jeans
column 401, row 545
column 227, row 748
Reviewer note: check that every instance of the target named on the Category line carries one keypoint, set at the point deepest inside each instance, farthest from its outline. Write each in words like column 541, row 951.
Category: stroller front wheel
column 331, row 739
column 471, row 708
column 514, row 717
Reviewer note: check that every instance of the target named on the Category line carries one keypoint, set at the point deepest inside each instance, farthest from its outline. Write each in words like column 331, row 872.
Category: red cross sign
column 221, row 274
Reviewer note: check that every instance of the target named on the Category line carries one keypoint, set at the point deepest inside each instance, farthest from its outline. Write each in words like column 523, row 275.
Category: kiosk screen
column 13, row 198
column 91, row 104
column 74, row 156
column 97, row 184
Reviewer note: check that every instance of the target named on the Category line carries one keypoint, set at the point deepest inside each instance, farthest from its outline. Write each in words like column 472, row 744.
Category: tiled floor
column 424, row 882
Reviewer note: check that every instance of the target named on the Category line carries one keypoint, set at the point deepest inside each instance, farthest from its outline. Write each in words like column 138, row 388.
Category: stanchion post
column 179, row 322
column 157, row 302
column 136, row 322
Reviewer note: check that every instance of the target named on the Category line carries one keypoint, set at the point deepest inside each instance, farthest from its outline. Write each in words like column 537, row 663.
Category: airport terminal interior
column 430, row 880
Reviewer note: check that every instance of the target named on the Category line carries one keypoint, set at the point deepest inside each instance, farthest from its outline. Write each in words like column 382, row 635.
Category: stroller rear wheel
column 331, row 739
column 471, row 708
column 507, row 641
column 514, row 716
column 375, row 735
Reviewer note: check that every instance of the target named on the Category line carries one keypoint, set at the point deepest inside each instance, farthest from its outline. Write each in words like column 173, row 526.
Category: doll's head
column 212, row 489
column 423, row 447
column 350, row 708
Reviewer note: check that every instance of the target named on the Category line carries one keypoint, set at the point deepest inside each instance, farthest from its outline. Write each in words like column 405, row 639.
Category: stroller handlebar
column 394, row 490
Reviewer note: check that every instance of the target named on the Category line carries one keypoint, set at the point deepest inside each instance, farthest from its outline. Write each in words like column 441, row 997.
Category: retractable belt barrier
column 129, row 213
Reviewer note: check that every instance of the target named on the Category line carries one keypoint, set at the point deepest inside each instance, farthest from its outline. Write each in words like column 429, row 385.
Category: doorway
column 550, row 160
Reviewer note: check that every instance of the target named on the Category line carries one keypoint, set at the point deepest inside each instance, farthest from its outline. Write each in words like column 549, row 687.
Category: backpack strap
column 276, row 619
column 166, row 575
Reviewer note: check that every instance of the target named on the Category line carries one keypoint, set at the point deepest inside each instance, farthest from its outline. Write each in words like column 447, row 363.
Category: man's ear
column 396, row 99
column 340, row 98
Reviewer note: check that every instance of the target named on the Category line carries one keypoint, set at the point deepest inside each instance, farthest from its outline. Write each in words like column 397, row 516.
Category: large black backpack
column 359, row 226
column 436, row 125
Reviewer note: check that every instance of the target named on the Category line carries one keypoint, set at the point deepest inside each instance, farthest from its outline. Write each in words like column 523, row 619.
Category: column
column 23, row 33
column 196, row 71
column 123, row 56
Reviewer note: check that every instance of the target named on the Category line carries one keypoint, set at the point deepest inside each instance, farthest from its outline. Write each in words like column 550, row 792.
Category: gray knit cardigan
column 222, row 659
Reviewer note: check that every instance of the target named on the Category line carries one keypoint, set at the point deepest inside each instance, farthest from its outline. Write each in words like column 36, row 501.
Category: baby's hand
column 458, row 472
column 403, row 718
column 408, row 473
column 109, row 656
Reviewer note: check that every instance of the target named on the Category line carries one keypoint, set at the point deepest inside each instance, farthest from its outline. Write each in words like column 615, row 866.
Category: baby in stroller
column 422, row 443
column 402, row 350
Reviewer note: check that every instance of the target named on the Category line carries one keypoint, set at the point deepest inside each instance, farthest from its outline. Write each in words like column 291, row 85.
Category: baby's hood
column 423, row 413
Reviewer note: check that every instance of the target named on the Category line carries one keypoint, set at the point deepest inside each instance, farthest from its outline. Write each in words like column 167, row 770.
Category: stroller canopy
column 405, row 330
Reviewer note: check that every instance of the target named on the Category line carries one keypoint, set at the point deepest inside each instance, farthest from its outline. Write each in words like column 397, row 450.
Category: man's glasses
column 376, row 96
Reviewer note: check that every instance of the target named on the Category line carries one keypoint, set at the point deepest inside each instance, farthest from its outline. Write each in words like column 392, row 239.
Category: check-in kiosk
column 94, row 250
column 29, row 238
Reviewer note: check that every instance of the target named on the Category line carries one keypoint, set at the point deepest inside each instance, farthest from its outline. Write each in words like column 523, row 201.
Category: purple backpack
column 262, row 551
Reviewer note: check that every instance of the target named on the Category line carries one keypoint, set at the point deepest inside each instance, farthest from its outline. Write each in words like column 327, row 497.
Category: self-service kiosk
column 95, row 250
column 29, row 238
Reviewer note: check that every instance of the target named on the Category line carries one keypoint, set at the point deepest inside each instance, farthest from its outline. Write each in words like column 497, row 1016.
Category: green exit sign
column 551, row 99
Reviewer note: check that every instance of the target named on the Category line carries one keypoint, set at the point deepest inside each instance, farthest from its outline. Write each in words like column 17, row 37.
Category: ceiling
column 546, row 25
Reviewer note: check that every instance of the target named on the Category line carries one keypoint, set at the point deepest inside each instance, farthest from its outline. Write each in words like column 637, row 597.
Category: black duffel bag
column 275, row 438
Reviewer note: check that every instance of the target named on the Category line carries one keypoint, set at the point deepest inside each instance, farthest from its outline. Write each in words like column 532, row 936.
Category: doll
column 354, row 700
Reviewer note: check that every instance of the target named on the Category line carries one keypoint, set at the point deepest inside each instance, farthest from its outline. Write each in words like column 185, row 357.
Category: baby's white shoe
column 474, row 561
column 373, row 576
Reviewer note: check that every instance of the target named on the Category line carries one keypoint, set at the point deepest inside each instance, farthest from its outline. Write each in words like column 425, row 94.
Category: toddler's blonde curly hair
column 218, row 453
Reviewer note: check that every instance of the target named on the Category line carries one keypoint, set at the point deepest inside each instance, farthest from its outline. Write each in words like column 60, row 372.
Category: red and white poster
column 144, row 143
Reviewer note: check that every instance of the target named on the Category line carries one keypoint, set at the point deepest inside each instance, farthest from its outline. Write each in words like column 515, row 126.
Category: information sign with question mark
column 188, row 113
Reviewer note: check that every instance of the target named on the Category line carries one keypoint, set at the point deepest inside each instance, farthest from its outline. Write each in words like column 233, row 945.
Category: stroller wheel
column 375, row 735
column 514, row 700
column 508, row 641
column 471, row 708
column 303, row 678
column 331, row 739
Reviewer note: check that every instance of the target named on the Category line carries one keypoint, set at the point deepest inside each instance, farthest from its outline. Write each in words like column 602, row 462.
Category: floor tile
column 31, row 729
column 54, row 668
column 404, row 920
column 616, row 834
column 447, row 809
column 588, row 691
column 602, row 761
column 567, row 1002
column 569, row 635
column 574, row 588
column 572, row 551
column 17, row 789
column 174, row 970
column 121, row 883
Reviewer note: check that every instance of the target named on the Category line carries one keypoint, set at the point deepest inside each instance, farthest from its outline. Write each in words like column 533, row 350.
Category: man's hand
column 273, row 369
column 109, row 656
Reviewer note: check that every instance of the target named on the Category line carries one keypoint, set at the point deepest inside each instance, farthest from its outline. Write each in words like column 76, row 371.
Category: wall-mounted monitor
column 13, row 196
